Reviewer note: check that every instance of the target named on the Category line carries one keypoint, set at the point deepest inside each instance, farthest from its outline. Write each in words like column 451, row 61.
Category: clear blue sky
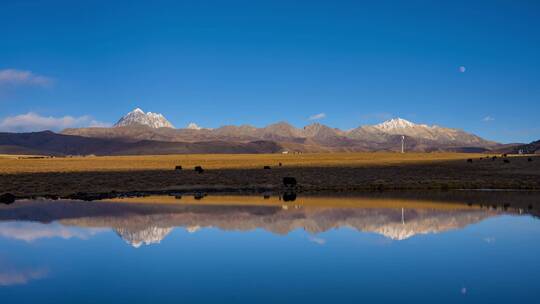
column 258, row 62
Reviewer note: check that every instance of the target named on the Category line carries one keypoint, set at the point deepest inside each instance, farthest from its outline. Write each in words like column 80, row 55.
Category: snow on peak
column 146, row 236
column 395, row 123
column 193, row 126
column 138, row 117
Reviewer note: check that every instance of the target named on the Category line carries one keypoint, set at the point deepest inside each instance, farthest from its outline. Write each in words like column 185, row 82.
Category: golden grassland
column 11, row 164
column 305, row 202
column 315, row 173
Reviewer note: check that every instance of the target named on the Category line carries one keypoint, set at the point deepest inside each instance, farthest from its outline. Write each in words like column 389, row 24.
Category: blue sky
column 68, row 63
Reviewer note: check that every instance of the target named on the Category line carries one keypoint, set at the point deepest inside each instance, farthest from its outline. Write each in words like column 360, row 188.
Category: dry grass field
column 316, row 173
column 26, row 164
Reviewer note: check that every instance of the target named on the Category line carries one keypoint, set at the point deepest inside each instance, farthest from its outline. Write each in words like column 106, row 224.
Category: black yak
column 289, row 181
column 199, row 169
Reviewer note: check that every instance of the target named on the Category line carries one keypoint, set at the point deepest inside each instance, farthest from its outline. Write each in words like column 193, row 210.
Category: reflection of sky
column 263, row 267
column 30, row 231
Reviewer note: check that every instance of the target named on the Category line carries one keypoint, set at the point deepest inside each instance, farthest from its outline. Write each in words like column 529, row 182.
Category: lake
column 386, row 248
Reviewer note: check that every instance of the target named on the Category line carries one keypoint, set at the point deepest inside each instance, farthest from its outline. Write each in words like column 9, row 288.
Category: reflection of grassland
column 303, row 201
column 220, row 161
column 331, row 172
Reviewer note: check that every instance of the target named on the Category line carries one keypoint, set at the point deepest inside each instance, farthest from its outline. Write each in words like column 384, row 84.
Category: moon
column 462, row 69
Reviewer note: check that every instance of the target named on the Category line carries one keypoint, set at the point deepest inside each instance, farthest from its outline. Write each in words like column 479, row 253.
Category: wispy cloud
column 20, row 77
column 317, row 116
column 488, row 119
column 34, row 122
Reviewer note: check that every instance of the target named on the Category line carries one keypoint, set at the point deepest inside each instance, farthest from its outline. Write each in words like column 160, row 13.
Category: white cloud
column 488, row 119
column 19, row 77
column 317, row 116
column 34, row 122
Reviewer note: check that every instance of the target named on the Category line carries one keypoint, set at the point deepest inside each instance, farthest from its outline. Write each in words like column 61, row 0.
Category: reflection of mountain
column 147, row 236
column 144, row 221
column 392, row 223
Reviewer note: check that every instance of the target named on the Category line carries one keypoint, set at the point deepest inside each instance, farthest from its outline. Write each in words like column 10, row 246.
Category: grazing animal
column 7, row 198
column 469, row 160
column 266, row 168
column 529, row 159
column 289, row 181
column 199, row 196
column 280, row 164
column 506, row 161
column 178, row 168
column 199, row 169
column 289, row 197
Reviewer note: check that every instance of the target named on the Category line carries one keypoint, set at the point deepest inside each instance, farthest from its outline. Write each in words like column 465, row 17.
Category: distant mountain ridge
column 50, row 143
column 315, row 137
column 139, row 133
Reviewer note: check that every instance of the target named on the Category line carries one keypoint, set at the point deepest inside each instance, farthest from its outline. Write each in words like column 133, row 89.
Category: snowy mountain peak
column 395, row 123
column 193, row 126
column 138, row 117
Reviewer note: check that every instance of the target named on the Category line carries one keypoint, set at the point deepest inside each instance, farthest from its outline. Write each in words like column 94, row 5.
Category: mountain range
column 151, row 133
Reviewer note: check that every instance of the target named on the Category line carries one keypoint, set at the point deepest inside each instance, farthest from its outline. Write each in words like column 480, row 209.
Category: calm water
column 254, row 250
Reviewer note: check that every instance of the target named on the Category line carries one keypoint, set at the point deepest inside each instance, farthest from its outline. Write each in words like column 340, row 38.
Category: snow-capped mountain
column 193, row 126
column 441, row 135
column 397, row 124
column 138, row 117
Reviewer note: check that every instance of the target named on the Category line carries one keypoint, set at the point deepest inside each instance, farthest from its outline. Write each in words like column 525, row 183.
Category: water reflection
column 429, row 248
column 31, row 231
column 10, row 277
column 148, row 220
